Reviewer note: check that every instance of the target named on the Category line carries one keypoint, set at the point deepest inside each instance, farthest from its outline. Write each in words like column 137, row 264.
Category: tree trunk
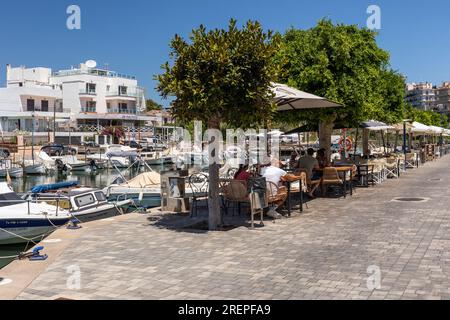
column 366, row 150
column 325, row 131
column 213, row 193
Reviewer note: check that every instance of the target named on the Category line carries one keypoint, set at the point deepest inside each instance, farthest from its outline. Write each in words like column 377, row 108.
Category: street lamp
column 405, row 121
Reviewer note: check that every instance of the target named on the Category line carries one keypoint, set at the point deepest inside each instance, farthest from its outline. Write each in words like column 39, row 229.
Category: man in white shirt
column 273, row 174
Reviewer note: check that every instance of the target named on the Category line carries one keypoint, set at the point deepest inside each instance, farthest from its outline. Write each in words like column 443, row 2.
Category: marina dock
column 324, row 253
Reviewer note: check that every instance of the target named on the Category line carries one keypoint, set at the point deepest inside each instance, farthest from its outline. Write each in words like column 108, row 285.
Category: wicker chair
column 331, row 178
column 310, row 184
column 275, row 195
column 234, row 192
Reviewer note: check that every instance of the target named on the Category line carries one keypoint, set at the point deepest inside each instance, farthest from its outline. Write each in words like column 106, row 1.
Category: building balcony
column 123, row 111
column 89, row 109
column 90, row 93
column 117, row 94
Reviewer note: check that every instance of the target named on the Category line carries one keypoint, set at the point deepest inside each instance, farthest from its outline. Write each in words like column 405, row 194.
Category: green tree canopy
column 222, row 75
column 151, row 104
column 429, row 118
column 342, row 63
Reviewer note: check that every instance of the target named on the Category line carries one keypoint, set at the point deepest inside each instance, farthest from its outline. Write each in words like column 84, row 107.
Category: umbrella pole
column 356, row 144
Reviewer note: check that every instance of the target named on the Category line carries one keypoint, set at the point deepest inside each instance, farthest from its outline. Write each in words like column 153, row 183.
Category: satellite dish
column 91, row 64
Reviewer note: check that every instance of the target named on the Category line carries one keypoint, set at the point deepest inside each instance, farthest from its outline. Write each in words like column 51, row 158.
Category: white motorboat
column 117, row 155
column 84, row 204
column 144, row 190
column 76, row 165
column 34, row 168
column 22, row 221
column 7, row 168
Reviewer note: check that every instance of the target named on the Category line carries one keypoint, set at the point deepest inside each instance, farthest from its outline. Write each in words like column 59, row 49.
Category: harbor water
column 100, row 179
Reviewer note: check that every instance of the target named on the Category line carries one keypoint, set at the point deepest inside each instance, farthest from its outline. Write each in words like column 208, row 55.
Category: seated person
column 322, row 159
column 310, row 163
column 273, row 174
column 242, row 173
column 293, row 163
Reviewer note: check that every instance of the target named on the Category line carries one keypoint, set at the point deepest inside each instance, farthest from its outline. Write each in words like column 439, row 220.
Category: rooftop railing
column 95, row 72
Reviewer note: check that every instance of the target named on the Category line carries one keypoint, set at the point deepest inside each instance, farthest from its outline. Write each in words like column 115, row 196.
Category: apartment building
column 421, row 95
column 88, row 97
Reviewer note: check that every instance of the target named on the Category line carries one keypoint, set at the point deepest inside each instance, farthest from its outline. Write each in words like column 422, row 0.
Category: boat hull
column 15, row 231
column 35, row 169
column 13, row 173
column 94, row 214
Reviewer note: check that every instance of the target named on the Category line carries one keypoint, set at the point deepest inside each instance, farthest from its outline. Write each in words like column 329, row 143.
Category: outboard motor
column 61, row 166
column 93, row 165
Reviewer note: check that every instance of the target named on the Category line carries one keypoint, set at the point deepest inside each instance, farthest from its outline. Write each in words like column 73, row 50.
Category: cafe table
column 288, row 180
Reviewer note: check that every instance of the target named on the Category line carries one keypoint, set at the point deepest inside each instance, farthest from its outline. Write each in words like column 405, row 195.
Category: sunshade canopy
column 371, row 125
column 288, row 98
column 375, row 125
column 418, row 127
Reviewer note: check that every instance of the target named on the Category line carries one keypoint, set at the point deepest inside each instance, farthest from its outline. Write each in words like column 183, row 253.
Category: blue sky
column 132, row 36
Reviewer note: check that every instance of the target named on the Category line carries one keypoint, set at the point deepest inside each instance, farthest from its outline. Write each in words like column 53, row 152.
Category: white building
column 92, row 98
column 421, row 95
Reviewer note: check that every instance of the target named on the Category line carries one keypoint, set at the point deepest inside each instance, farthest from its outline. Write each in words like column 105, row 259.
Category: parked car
column 58, row 150
column 153, row 144
column 4, row 153
column 89, row 148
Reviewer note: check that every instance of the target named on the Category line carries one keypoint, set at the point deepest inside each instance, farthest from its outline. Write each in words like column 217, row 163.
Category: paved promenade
column 321, row 254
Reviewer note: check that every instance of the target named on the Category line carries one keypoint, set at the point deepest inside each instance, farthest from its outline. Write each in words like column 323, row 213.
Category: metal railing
column 123, row 111
column 89, row 109
column 95, row 72
column 89, row 92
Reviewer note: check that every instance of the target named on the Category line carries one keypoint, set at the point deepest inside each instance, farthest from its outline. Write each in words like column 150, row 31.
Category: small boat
column 73, row 164
column 14, row 172
column 35, row 169
column 22, row 221
column 116, row 155
column 144, row 190
column 84, row 204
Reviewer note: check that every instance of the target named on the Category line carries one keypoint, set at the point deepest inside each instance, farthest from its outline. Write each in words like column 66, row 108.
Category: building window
column 20, row 84
column 90, row 88
column 123, row 90
column 91, row 106
column 108, row 88
column 30, row 104
column 123, row 107
column 44, row 105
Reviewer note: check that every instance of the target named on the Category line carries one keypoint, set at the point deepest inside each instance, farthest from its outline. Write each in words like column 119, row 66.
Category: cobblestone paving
column 321, row 254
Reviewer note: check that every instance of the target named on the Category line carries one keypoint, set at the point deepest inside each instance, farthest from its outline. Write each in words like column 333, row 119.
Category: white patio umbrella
column 288, row 98
column 437, row 130
column 418, row 127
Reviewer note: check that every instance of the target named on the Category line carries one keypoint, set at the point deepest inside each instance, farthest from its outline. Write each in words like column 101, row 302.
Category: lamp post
column 404, row 138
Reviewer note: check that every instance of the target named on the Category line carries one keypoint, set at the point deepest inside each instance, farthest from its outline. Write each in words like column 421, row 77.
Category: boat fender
column 36, row 255
column 141, row 196
column 73, row 224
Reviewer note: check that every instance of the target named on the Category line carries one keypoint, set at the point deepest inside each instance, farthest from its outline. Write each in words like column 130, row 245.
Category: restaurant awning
column 375, row 126
column 418, row 127
column 288, row 99
column 371, row 125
